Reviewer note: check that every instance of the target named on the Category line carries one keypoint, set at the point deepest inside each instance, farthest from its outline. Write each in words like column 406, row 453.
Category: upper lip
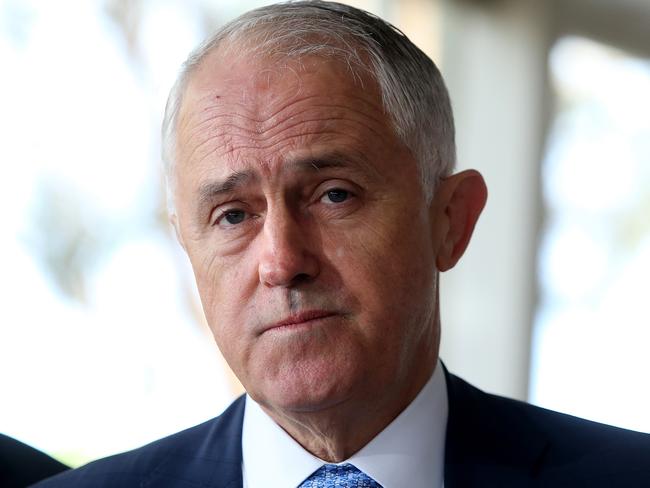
column 300, row 317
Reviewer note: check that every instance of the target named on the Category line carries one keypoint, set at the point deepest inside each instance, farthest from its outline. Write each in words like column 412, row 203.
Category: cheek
column 390, row 270
column 223, row 298
column 222, row 284
column 387, row 251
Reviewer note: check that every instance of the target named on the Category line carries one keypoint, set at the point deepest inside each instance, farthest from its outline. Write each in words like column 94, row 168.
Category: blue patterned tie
column 339, row 476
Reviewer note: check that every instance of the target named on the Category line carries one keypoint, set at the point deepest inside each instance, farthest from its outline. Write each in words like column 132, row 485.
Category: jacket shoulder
column 192, row 457
column 489, row 433
column 21, row 464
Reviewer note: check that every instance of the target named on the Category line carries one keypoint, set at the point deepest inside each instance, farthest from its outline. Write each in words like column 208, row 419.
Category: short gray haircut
column 413, row 92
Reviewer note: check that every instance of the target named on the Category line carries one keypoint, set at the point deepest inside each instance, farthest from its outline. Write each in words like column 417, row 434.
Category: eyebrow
column 309, row 164
column 333, row 159
column 212, row 189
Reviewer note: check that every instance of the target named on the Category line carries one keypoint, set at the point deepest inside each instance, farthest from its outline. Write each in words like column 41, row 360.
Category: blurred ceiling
column 623, row 23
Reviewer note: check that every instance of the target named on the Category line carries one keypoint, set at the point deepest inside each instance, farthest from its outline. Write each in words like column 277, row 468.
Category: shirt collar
column 411, row 447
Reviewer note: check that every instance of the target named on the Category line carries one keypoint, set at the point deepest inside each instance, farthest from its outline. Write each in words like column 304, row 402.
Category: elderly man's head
column 299, row 198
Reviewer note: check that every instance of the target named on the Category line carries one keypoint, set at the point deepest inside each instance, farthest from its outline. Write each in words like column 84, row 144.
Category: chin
column 305, row 394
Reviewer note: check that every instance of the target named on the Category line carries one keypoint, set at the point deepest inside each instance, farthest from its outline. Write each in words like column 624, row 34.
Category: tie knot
column 339, row 476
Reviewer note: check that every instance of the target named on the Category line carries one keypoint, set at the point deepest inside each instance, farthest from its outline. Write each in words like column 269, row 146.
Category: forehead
column 225, row 70
column 252, row 108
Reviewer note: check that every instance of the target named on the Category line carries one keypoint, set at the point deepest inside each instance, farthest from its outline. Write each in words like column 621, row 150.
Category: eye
column 234, row 216
column 336, row 195
column 231, row 217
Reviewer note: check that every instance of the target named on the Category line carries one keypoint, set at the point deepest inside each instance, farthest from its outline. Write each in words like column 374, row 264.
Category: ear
column 455, row 208
column 173, row 219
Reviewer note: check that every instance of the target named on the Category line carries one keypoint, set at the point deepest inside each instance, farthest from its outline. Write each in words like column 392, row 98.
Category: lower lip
column 306, row 324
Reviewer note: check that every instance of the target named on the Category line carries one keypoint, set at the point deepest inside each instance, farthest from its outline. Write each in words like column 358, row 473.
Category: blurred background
column 103, row 346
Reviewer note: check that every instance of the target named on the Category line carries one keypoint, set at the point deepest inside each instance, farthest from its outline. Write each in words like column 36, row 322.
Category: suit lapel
column 212, row 458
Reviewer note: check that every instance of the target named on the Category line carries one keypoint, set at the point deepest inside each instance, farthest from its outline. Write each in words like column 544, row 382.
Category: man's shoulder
column 207, row 454
column 498, row 434
column 21, row 464
column 476, row 405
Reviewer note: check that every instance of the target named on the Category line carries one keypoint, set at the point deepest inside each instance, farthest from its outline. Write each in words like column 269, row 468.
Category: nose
column 287, row 256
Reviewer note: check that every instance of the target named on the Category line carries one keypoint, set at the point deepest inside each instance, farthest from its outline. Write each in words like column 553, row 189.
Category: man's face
column 306, row 226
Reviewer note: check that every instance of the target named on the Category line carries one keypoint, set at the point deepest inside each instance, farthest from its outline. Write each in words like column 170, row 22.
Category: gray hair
column 413, row 92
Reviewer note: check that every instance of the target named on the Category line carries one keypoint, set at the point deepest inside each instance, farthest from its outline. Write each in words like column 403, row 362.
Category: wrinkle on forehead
column 239, row 117
column 254, row 107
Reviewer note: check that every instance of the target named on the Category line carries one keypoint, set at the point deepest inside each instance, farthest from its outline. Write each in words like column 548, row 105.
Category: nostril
column 301, row 278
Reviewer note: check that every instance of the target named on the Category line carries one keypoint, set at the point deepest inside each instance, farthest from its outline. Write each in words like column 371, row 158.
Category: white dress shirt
column 410, row 451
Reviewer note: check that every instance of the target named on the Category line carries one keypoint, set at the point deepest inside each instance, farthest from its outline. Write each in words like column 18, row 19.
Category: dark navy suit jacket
column 22, row 465
column 491, row 442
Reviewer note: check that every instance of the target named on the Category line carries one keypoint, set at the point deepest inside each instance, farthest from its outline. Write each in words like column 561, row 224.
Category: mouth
column 300, row 320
